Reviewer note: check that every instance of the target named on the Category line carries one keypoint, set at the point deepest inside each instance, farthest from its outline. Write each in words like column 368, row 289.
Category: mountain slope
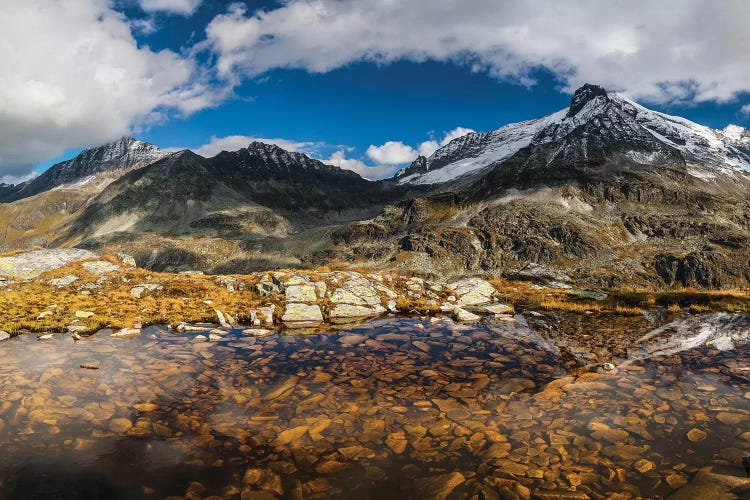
column 606, row 191
column 258, row 191
column 593, row 118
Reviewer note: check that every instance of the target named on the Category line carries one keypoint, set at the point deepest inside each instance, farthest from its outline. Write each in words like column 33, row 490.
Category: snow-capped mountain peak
column 604, row 118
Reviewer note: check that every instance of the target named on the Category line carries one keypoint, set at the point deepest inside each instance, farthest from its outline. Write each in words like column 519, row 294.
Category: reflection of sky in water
column 479, row 398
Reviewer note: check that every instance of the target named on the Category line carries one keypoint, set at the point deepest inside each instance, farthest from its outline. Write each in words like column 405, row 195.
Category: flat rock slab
column 302, row 315
column 29, row 265
column 347, row 311
column 356, row 291
column 301, row 293
column 468, row 285
column 100, row 267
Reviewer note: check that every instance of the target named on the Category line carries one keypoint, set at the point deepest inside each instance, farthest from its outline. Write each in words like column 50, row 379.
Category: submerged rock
column 126, row 333
column 438, row 487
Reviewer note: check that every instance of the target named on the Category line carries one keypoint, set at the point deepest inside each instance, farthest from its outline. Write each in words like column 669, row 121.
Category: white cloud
column 672, row 50
column 429, row 147
column 181, row 7
column 745, row 109
column 398, row 153
column 235, row 142
column 339, row 159
column 391, row 153
column 73, row 75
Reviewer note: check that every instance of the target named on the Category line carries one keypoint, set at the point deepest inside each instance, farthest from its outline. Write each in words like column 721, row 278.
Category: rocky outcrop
column 703, row 269
column 29, row 265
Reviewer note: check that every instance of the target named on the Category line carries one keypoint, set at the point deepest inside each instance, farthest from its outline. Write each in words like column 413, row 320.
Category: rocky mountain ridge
column 604, row 191
column 653, row 138
column 114, row 159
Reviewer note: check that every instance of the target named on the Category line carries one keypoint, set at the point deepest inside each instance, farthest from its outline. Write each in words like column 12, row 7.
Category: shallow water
column 367, row 412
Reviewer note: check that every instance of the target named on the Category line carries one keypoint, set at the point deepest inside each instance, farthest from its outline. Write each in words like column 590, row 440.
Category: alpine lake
column 540, row 406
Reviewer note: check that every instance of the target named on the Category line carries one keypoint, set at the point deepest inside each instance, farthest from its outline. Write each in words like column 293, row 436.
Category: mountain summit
column 608, row 122
column 114, row 158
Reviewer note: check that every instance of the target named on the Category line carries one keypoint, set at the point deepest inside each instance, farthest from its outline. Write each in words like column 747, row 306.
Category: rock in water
column 126, row 333
column 438, row 487
column 463, row 315
column 302, row 315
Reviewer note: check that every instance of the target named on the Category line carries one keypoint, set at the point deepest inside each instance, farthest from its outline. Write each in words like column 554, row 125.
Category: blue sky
column 343, row 77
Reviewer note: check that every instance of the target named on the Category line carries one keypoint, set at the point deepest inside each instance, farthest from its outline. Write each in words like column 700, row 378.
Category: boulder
column 126, row 333
column 438, row 487
column 461, row 314
column 126, row 259
column 472, row 285
column 302, row 315
column 341, row 312
column 63, row 281
column 301, row 293
column 138, row 290
column 356, row 291
column 100, row 267
column 29, row 265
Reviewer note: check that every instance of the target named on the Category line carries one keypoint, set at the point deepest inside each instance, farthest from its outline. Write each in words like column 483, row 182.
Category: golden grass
column 623, row 302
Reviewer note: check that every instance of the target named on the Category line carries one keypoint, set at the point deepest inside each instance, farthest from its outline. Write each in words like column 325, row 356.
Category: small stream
column 401, row 408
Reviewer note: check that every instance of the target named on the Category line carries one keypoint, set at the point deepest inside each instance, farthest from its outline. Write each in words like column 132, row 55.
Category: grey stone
column 100, row 267
column 301, row 293
column 302, row 315
column 63, row 281
column 29, row 265
column 138, row 290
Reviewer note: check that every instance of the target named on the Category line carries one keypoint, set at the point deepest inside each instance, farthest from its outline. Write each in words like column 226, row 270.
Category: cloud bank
column 74, row 76
column 180, row 7
column 673, row 50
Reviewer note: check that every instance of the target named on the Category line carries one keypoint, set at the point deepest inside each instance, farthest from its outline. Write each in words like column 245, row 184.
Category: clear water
column 366, row 412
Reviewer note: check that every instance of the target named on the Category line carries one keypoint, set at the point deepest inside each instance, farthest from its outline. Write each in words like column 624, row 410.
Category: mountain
column 260, row 202
column 594, row 120
column 606, row 191
column 112, row 159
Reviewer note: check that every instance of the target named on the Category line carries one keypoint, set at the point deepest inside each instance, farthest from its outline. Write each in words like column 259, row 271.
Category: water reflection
column 396, row 407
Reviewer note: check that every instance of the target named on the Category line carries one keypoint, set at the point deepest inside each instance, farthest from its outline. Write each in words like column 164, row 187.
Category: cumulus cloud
column 668, row 51
column 82, row 79
column 391, row 153
column 371, row 172
column 428, row 147
column 236, row 142
column 398, row 153
column 181, row 7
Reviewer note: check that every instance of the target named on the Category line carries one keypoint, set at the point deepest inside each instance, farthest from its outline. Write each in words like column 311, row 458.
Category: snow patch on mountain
column 707, row 151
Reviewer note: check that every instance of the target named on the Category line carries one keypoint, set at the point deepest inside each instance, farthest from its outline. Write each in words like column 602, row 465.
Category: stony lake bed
column 116, row 382
column 399, row 407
